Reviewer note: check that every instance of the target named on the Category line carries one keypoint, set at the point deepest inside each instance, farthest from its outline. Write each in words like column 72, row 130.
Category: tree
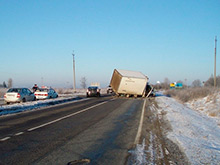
column 83, row 82
column 196, row 83
column 4, row 85
column 10, row 82
column 166, row 84
column 210, row 81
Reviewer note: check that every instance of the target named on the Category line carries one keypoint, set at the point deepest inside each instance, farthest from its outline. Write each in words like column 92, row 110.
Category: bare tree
column 196, row 83
column 210, row 81
column 166, row 83
column 4, row 85
column 83, row 82
column 10, row 82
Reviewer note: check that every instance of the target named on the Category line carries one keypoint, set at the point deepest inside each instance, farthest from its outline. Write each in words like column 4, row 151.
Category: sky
column 162, row 39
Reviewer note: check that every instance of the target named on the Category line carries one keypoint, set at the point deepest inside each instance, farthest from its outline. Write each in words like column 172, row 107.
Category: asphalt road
column 100, row 130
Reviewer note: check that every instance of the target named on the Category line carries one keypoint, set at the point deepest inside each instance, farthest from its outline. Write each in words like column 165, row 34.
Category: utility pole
column 215, row 63
column 74, row 78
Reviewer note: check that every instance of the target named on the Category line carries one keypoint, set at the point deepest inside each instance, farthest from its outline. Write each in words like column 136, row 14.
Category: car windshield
column 43, row 90
column 92, row 88
column 17, row 90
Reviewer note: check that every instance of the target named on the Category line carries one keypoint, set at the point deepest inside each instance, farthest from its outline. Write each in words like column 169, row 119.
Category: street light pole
column 215, row 63
column 74, row 78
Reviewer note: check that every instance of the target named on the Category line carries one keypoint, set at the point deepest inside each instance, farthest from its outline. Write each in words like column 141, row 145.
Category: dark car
column 150, row 91
column 109, row 89
column 93, row 91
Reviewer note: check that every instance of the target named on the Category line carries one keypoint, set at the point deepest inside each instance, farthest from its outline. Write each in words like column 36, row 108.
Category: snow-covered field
column 209, row 105
column 196, row 132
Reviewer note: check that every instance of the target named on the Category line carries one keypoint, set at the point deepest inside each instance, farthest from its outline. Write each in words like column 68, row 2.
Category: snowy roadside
column 196, row 133
column 209, row 105
column 20, row 107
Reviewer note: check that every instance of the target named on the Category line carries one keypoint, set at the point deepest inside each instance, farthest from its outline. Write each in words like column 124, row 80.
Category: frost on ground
column 197, row 134
column 209, row 105
column 27, row 106
column 138, row 155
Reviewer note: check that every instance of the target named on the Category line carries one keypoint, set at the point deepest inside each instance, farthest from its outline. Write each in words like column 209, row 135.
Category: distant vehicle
column 172, row 85
column 109, row 89
column 45, row 93
column 93, row 91
column 176, row 85
column 14, row 95
column 179, row 86
column 150, row 91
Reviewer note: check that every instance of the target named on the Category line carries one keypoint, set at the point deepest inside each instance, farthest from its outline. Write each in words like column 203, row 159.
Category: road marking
column 19, row 133
column 140, row 124
column 70, row 115
column 4, row 139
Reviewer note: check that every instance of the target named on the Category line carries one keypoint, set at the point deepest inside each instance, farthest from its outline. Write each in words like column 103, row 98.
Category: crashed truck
column 129, row 83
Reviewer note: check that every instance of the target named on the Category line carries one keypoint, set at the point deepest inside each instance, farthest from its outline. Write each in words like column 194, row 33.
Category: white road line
column 54, row 121
column 19, row 133
column 4, row 139
column 140, row 124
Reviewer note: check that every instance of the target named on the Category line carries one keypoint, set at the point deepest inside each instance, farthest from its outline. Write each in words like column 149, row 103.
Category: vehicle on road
column 128, row 83
column 150, row 91
column 93, row 91
column 109, row 89
column 14, row 95
column 45, row 93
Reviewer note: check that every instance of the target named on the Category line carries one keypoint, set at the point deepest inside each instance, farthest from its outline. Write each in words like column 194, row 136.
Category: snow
column 209, row 105
column 32, row 105
column 138, row 154
column 196, row 133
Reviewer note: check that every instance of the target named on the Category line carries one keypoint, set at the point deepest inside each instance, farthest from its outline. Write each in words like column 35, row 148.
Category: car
column 14, row 95
column 45, row 93
column 150, row 91
column 109, row 89
column 93, row 91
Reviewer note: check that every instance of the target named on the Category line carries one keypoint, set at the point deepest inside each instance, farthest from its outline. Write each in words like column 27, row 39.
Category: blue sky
column 162, row 39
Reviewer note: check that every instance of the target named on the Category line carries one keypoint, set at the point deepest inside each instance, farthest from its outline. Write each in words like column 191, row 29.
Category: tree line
column 8, row 85
column 195, row 83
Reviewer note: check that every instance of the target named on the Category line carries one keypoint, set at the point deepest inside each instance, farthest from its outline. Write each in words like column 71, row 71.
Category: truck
column 129, row 83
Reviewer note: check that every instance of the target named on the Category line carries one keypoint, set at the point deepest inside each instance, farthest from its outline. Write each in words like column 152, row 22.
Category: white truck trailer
column 128, row 83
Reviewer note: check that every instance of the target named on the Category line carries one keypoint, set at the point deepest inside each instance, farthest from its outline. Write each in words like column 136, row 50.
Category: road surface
column 99, row 130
